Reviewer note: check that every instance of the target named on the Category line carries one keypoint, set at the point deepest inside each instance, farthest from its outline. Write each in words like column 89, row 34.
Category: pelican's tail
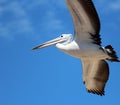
column 109, row 50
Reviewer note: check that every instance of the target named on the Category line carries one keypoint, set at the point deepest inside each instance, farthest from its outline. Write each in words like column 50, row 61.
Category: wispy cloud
column 18, row 17
column 49, row 20
column 52, row 21
column 14, row 20
column 108, row 5
column 15, row 16
column 115, row 5
column 109, row 8
column 49, row 9
column 43, row 3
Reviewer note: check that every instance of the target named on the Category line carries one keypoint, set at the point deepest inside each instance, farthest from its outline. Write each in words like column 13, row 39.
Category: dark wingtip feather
column 96, row 91
column 112, row 53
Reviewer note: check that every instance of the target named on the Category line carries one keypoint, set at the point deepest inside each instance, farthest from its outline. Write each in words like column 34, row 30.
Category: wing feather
column 95, row 75
column 85, row 19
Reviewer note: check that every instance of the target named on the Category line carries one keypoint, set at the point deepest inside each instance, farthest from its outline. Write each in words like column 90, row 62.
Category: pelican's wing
column 95, row 75
column 86, row 20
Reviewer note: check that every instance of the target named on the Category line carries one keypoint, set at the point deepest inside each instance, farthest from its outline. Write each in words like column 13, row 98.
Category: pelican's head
column 62, row 39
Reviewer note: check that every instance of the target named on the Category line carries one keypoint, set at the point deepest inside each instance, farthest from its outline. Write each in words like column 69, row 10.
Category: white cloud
column 108, row 5
column 42, row 3
column 52, row 21
column 33, row 3
column 109, row 10
column 115, row 5
column 14, row 20
column 15, row 16
column 3, row 1
column 4, row 32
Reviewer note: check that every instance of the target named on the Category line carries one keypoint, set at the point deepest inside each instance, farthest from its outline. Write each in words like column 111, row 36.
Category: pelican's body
column 82, row 49
column 86, row 45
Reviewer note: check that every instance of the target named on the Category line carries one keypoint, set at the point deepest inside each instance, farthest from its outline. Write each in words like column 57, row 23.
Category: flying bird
column 86, row 45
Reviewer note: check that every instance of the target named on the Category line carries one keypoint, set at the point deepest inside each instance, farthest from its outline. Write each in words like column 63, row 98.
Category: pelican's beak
column 49, row 43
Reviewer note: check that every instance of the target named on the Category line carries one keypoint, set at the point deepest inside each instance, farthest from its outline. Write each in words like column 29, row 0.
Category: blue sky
column 48, row 76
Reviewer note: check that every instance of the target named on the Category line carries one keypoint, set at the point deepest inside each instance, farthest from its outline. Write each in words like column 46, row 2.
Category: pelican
column 86, row 45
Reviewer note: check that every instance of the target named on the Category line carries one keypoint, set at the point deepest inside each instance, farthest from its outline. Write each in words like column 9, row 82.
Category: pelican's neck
column 69, row 46
column 60, row 46
column 63, row 46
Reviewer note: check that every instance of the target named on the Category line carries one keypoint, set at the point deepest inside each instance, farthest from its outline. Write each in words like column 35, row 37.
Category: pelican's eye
column 61, row 35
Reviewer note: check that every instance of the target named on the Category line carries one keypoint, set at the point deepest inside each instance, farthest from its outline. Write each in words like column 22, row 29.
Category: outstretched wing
column 95, row 75
column 86, row 20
